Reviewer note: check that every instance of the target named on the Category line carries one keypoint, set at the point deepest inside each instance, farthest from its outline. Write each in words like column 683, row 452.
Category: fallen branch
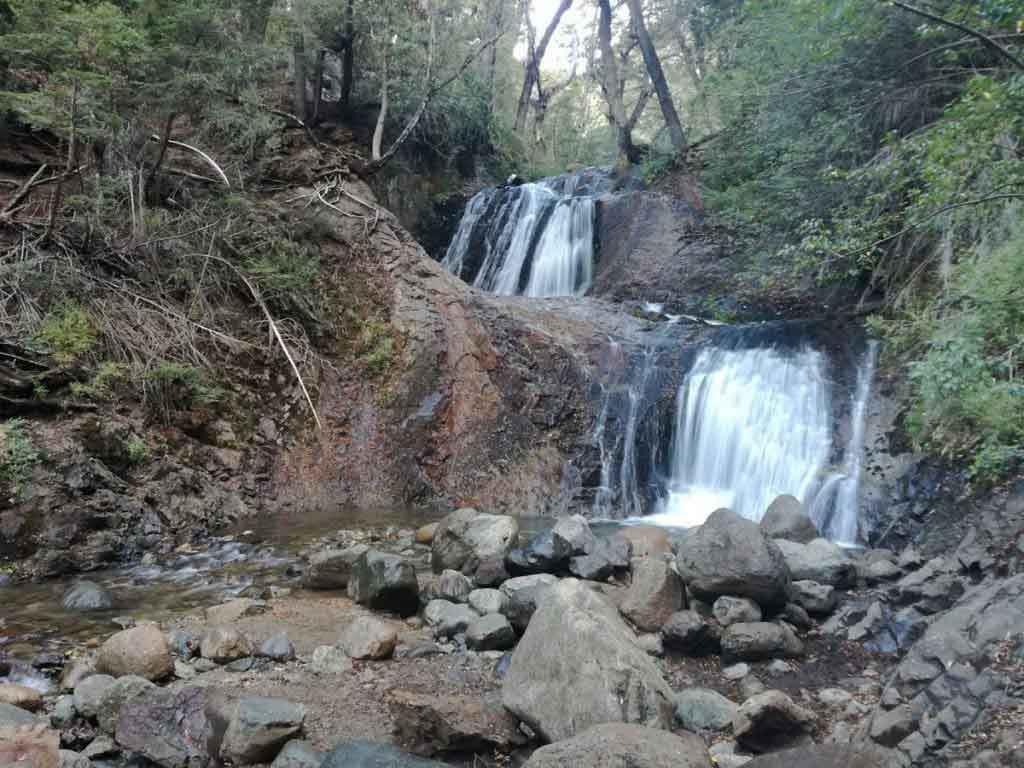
column 991, row 43
column 18, row 406
column 277, row 334
column 20, row 194
column 196, row 151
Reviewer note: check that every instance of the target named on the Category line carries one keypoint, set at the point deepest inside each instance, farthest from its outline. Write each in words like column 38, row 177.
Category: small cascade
column 530, row 240
column 750, row 424
column 836, row 506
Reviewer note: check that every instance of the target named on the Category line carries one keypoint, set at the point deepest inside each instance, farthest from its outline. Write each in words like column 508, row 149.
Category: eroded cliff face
column 486, row 401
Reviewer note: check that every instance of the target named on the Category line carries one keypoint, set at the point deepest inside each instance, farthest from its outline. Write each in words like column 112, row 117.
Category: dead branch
column 196, row 151
column 20, row 194
column 987, row 39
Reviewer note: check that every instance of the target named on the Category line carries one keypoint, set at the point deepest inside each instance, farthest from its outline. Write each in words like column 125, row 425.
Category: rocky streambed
column 473, row 642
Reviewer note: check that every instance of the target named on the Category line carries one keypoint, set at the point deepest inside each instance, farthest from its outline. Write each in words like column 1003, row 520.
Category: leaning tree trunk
column 533, row 60
column 299, row 61
column 610, row 87
column 657, row 74
column 348, row 55
column 382, row 116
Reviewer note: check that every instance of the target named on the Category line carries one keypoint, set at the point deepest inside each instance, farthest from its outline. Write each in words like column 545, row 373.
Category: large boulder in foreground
column 786, row 519
column 579, row 665
column 620, row 745
column 385, row 582
column 258, row 728
column 730, row 555
column 332, row 568
column 466, row 538
column 168, row 727
column 428, row 724
column 140, row 651
column 656, row 593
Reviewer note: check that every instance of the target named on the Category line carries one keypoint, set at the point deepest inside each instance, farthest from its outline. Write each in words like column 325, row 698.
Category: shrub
column 67, row 332
column 18, row 456
column 173, row 387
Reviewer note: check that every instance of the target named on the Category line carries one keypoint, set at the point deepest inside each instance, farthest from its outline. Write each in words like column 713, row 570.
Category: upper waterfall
column 532, row 239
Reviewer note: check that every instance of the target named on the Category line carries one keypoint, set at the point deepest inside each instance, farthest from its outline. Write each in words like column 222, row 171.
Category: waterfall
column 836, row 507
column 750, row 424
column 532, row 239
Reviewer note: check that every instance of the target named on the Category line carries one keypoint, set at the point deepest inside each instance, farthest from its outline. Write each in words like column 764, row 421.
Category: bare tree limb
column 991, row 43
column 196, row 151
column 20, row 194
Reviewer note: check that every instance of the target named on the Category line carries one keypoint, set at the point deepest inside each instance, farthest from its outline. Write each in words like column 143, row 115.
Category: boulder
column 579, row 665
column 35, row 747
column 138, row 651
column 258, row 728
column 74, row 672
column 277, row 648
column 820, row 560
column 491, row 572
column 656, row 593
column 113, row 699
column 573, row 535
column 646, row 540
column 689, row 633
column 817, row 599
column 732, row 610
column 64, row 712
column 786, row 519
column 490, row 633
column 758, row 640
column 89, row 693
column 797, row 616
column 183, row 643
column 454, row 587
column 385, row 582
column 622, row 745
column 370, row 754
column 87, row 596
column 448, row 619
column 830, row 756
column 889, row 728
column 166, row 726
column 225, row 644
column 485, row 601
column 233, row 610
column 71, row 759
column 298, row 754
column 332, row 568
column 542, row 554
column 523, row 595
column 328, row 660
column 607, row 557
column 770, row 721
column 730, row 555
column 702, row 709
column 425, row 533
column 15, row 717
column 428, row 724
column 369, row 638
column 21, row 696
column 465, row 538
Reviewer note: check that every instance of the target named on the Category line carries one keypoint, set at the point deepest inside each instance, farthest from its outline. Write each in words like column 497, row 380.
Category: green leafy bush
column 376, row 347
column 104, row 383
column 67, row 332
column 18, row 456
column 173, row 387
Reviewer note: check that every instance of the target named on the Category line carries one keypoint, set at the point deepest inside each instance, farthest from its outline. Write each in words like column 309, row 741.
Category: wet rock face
column 579, row 665
column 87, row 596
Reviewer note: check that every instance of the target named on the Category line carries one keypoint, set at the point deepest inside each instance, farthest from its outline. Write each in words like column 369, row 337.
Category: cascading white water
column 750, row 424
column 835, row 508
column 533, row 239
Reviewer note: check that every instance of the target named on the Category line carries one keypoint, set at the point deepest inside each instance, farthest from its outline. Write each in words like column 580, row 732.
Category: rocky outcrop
column 466, row 538
column 386, row 582
column 426, row 724
column 771, row 721
column 729, row 555
column 785, row 518
column 579, row 665
column 620, row 745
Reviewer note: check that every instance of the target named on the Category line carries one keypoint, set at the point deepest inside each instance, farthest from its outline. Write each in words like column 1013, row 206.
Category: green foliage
column 67, row 332
column 135, row 450
column 103, row 385
column 18, row 457
column 173, row 388
column 376, row 347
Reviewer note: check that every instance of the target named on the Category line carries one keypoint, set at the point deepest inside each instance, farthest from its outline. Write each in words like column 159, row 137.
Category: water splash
column 750, row 424
column 835, row 508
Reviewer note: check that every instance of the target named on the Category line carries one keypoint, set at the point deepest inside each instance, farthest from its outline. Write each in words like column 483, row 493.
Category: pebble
column 736, row 671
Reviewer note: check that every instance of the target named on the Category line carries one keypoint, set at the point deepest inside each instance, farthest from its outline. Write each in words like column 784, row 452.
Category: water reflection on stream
column 33, row 620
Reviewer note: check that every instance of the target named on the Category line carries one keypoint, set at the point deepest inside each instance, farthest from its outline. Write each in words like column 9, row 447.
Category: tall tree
column 611, row 87
column 299, row 60
column 534, row 57
column 658, row 80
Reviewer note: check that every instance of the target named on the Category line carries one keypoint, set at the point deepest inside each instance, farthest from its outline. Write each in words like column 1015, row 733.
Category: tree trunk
column 495, row 19
column 299, row 60
column 610, row 87
column 378, row 131
column 348, row 55
column 535, row 56
column 318, row 86
column 657, row 74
